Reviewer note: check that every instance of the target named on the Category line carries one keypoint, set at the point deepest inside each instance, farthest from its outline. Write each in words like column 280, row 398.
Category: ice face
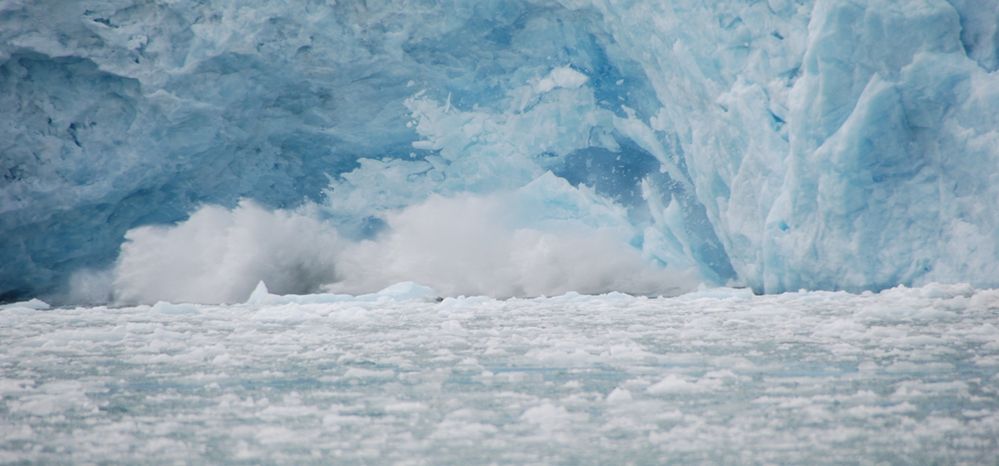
column 831, row 145
column 779, row 144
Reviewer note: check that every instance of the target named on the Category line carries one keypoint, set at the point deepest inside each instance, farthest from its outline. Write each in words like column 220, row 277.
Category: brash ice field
column 907, row 376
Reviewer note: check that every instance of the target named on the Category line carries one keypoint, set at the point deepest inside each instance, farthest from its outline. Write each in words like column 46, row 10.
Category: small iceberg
column 405, row 291
column 33, row 304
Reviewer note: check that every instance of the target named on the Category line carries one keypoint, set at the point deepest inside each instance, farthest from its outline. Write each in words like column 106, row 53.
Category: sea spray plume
column 219, row 255
column 545, row 238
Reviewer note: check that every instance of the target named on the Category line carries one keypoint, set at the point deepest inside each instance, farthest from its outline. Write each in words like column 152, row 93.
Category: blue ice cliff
column 780, row 144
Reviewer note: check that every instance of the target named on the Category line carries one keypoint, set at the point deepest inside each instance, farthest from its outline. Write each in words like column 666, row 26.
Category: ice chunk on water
column 408, row 291
column 33, row 304
column 404, row 291
column 177, row 309
column 259, row 294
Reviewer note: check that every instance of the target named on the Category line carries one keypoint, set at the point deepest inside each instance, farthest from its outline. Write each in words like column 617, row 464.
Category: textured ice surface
column 784, row 144
column 907, row 376
column 832, row 143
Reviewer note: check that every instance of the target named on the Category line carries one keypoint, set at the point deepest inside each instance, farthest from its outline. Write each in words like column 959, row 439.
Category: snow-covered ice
column 717, row 376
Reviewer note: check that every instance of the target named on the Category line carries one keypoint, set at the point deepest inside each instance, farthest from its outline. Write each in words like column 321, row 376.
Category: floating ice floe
column 32, row 304
column 404, row 291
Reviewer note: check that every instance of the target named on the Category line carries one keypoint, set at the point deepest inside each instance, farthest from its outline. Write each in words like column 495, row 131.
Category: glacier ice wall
column 849, row 133
column 780, row 143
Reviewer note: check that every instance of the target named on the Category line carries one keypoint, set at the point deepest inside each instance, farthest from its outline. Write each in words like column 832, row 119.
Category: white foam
column 546, row 238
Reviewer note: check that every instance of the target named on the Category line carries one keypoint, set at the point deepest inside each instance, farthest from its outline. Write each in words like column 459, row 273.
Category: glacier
column 778, row 145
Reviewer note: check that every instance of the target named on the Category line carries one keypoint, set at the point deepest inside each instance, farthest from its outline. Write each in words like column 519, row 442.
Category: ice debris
column 402, row 292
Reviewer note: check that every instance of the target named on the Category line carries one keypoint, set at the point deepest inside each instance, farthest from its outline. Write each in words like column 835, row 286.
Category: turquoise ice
column 778, row 144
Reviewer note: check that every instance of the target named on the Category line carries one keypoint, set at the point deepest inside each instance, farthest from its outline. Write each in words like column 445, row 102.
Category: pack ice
column 719, row 376
column 829, row 144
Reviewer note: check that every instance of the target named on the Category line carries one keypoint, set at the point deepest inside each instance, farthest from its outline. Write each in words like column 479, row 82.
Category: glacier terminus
column 778, row 145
